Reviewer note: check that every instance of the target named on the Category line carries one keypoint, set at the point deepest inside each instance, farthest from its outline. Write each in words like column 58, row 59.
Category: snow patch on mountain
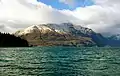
column 63, row 28
column 115, row 37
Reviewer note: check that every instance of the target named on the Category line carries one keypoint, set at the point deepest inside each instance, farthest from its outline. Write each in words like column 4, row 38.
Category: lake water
column 59, row 61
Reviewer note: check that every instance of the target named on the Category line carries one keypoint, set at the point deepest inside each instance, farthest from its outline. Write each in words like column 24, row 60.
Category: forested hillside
column 8, row 40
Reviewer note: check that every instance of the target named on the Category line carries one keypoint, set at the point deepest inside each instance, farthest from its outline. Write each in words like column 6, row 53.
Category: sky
column 67, row 4
column 103, row 16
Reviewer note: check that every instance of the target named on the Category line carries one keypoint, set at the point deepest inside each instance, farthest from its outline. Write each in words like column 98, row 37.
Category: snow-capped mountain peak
column 115, row 37
column 64, row 28
column 31, row 29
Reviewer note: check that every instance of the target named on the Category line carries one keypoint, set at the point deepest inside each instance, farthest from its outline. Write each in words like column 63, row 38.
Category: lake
column 59, row 61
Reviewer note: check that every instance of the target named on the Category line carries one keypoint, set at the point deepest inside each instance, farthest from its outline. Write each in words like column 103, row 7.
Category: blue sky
column 56, row 4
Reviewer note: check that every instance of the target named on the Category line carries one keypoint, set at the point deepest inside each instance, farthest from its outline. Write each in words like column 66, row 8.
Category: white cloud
column 28, row 10
column 18, row 13
column 103, row 17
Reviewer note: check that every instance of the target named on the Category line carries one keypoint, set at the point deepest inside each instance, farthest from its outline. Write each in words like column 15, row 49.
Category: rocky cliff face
column 65, row 34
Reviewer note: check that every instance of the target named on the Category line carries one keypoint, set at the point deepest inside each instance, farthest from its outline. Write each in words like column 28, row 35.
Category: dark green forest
column 8, row 40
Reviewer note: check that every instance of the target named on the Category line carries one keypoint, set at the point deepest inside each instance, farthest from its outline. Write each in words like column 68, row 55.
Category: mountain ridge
column 65, row 34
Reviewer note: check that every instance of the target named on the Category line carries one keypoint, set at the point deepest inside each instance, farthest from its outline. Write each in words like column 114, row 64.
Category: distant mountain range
column 65, row 34
column 114, row 37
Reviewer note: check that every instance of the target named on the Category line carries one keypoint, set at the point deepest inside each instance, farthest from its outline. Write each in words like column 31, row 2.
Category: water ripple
column 60, row 61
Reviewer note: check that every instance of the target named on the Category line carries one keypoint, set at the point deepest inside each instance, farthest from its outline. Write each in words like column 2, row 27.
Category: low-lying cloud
column 23, row 13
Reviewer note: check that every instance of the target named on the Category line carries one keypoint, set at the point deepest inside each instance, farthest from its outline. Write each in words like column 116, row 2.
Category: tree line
column 8, row 40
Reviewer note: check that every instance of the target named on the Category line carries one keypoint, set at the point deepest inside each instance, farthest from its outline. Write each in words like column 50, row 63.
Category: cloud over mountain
column 28, row 12
column 102, row 17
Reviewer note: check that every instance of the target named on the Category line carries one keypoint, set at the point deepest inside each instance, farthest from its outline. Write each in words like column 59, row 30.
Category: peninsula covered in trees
column 8, row 40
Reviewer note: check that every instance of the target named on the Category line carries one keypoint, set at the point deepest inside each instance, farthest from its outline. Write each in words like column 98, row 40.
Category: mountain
column 115, row 37
column 114, row 40
column 65, row 34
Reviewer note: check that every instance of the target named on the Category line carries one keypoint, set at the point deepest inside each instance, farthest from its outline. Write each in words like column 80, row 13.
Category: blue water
column 59, row 61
